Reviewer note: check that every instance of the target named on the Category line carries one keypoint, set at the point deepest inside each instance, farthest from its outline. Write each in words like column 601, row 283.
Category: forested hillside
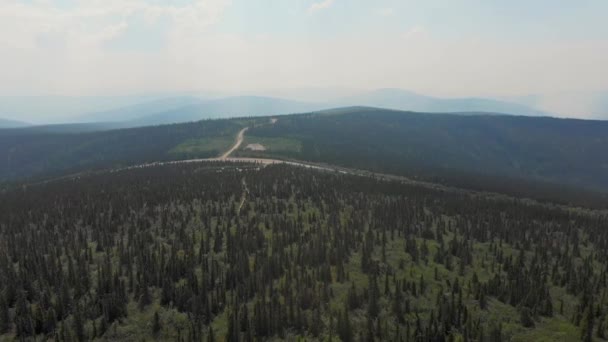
column 448, row 147
column 406, row 100
column 216, row 252
column 31, row 152
column 545, row 158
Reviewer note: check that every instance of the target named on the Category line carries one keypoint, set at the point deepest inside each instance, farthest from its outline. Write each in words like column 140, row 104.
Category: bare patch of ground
column 255, row 147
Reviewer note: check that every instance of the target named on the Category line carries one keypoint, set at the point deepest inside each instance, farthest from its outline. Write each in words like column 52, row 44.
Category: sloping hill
column 564, row 151
column 486, row 152
column 140, row 110
column 406, row 100
column 53, row 109
column 137, row 111
column 5, row 123
column 238, row 106
column 188, row 109
column 29, row 153
column 64, row 128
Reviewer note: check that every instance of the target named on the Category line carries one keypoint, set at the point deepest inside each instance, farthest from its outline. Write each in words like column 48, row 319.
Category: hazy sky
column 437, row 47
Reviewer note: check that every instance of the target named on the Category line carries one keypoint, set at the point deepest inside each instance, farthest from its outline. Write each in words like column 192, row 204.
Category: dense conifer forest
column 465, row 149
column 229, row 252
column 544, row 158
column 30, row 153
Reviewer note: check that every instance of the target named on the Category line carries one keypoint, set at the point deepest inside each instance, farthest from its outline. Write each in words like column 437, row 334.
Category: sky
column 436, row 47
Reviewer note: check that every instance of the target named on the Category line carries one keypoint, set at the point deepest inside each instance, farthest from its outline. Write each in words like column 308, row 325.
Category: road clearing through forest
column 240, row 137
column 225, row 157
column 237, row 144
column 263, row 162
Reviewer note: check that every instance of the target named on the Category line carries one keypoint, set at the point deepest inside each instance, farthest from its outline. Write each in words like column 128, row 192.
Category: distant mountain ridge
column 56, row 109
column 63, row 128
column 237, row 106
column 186, row 108
column 409, row 101
column 140, row 110
column 5, row 123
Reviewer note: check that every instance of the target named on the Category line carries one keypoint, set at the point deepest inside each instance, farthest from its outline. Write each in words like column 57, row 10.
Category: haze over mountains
column 53, row 109
column 5, row 123
column 591, row 105
column 228, row 107
column 156, row 109
column 405, row 100
column 303, row 170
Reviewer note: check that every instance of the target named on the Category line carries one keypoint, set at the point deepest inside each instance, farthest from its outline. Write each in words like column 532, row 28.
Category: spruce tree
column 156, row 326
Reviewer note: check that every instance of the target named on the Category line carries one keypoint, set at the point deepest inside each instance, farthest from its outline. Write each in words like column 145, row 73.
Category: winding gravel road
column 264, row 162
column 321, row 167
column 237, row 144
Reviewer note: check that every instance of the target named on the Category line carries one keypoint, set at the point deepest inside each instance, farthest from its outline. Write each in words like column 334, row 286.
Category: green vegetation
column 274, row 146
column 523, row 156
column 184, row 251
column 549, row 330
column 29, row 153
column 203, row 146
column 544, row 158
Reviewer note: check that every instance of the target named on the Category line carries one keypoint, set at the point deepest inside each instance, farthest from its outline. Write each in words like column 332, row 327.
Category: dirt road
column 269, row 161
column 237, row 144
column 261, row 161
column 309, row 165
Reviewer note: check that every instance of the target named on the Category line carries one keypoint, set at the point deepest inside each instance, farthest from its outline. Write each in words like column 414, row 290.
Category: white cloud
column 94, row 21
column 47, row 50
column 320, row 6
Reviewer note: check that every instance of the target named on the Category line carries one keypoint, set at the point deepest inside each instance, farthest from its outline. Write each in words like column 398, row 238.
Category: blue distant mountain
column 409, row 101
column 178, row 109
column 236, row 106
column 140, row 110
column 5, row 123
column 186, row 109
column 62, row 109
